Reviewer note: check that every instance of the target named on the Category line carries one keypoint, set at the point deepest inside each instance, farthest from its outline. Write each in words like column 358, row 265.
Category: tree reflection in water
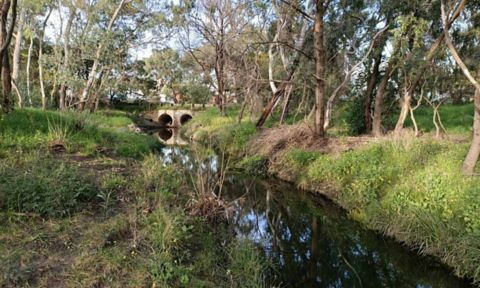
column 313, row 244
column 310, row 241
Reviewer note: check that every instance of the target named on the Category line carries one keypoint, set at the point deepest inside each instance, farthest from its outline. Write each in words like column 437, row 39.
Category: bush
column 254, row 165
column 355, row 117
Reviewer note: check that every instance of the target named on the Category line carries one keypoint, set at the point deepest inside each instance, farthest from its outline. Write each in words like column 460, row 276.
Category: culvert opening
column 185, row 118
column 165, row 134
column 165, row 120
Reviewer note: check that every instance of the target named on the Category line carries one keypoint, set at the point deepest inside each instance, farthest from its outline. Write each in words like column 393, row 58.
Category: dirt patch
column 270, row 142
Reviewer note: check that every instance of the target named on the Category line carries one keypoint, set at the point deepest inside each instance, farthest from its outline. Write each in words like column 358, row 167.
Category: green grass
column 414, row 192
column 225, row 133
column 116, row 222
column 456, row 118
column 42, row 185
column 89, row 134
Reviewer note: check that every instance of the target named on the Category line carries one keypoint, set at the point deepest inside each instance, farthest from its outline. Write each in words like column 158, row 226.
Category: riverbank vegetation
column 405, row 187
column 105, row 211
column 374, row 103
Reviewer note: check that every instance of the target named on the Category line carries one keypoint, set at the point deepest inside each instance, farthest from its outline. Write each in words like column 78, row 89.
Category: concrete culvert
column 165, row 134
column 185, row 118
column 165, row 120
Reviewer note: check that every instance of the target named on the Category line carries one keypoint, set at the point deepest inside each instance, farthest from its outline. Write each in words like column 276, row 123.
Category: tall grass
column 414, row 192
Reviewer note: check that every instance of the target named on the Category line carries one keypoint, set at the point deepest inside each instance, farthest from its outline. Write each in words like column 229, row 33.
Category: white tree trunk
column 40, row 56
column 29, row 61
column 98, row 54
column 16, row 57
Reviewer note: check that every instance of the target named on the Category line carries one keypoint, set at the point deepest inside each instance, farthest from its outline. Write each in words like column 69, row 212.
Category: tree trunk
column 406, row 104
column 286, row 102
column 40, row 56
column 220, row 73
column 29, row 61
column 289, row 88
column 370, row 88
column 379, row 97
column 96, row 62
column 6, row 37
column 6, row 82
column 431, row 53
column 280, row 91
column 471, row 159
column 331, row 100
column 66, row 59
column 320, row 61
column 16, row 57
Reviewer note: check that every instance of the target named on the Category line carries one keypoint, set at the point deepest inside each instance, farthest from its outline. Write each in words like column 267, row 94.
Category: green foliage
column 301, row 157
column 254, row 165
column 247, row 267
column 157, row 178
column 355, row 118
column 43, row 186
column 225, row 132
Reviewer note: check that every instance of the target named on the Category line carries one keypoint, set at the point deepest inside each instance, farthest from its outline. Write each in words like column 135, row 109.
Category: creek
column 308, row 239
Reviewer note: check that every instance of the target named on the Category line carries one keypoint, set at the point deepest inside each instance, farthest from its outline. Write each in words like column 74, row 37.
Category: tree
column 320, row 63
column 474, row 151
column 93, row 71
column 412, row 86
column 16, row 56
column 5, row 39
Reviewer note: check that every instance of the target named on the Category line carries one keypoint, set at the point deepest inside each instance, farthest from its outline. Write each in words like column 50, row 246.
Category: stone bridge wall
column 170, row 117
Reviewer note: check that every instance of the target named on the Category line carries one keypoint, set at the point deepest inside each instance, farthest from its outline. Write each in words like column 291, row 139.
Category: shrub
column 355, row 118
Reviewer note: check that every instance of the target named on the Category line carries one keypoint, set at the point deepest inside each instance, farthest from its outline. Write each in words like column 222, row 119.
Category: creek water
column 309, row 240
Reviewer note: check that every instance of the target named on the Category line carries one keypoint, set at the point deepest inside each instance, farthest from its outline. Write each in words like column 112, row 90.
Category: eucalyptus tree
column 6, row 32
column 165, row 67
column 212, row 28
column 474, row 151
column 98, row 54
column 17, row 54
column 413, row 80
column 291, row 31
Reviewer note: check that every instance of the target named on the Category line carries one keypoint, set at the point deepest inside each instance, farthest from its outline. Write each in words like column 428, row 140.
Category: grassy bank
column 104, row 214
column 85, row 133
column 409, row 189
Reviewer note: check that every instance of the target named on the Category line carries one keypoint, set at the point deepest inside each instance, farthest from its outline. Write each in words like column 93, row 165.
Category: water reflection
column 170, row 136
column 313, row 244
column 309, row 240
